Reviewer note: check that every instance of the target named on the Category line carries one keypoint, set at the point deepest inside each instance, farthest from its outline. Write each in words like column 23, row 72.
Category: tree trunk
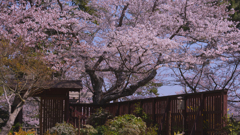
column 97, row 98
column 102, row 98
column 12, row 117
column 16, row 101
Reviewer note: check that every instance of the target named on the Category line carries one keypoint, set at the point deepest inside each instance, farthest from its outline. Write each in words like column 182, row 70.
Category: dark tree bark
column 12, row 117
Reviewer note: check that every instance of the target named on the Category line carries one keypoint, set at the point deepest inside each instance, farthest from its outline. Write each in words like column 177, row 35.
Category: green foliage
column 154, row 84
column 83, row 5
column 152, row 87
column 99, row 117
column 16, row 127
column 1, row 91
column 63, row 129
column 185, row 28
column 232, row 127
column 19, row 60
column 152, row 130
column 101, row 129
column 154, row 91
column 138, row 111
column 127, row 124
column 235, row 4
column 88, row 130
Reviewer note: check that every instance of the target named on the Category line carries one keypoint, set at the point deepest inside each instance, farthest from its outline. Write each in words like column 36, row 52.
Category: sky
column 169, row 90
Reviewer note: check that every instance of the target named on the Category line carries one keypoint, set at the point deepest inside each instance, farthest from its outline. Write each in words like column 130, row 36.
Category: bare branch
column 214, row 82
column 7, row 99
column 201, row 71
column 231, row 76
column 185, row 80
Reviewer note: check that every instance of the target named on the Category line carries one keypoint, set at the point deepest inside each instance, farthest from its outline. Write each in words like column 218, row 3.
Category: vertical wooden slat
column 44, row 116
column 153, row 111
column 224, row 110
column 67, row 106
column 40, row 116
column 169, row 123
column 185, row 116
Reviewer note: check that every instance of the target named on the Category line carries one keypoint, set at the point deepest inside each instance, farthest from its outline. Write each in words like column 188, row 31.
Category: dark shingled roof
column 52, row 85
column 66, row 84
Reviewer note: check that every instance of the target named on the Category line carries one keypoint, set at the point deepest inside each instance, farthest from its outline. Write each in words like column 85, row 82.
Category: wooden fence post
column 117, row 112
column 169, row 123
column 79, row 124
column 160, row 129
column 185, row 116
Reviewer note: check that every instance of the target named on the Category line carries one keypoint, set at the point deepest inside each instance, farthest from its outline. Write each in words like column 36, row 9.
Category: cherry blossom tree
column 135, row 38
column 118, row 48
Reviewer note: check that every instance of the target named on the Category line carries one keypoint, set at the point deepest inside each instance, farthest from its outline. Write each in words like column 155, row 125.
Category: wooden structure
column 54, row 106
column 203, row 112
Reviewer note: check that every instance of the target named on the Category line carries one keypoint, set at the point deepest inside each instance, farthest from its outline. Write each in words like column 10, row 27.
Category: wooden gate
column 52, row 110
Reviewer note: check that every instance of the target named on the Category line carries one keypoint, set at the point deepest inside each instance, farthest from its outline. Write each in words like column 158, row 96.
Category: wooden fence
column 203, row 113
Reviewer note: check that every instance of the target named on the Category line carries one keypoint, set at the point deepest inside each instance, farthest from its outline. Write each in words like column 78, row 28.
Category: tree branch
column 6, row 97
column 231, row 76
column 122, row 15
column 185, row 80
column 131, row 89
column 101, row 58
column 199, row 77
column 174, row 34
column 60, row 4
column 185, row 18
column 154, row 5
column 214, row 82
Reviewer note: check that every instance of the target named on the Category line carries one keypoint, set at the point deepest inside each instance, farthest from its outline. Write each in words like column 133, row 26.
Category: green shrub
column 138, row 111
column 99, row 117
column 63, row 129
column 15, row 128
column 127, row 124
column 232, row 127
column 152, row 130
column 88, row 130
